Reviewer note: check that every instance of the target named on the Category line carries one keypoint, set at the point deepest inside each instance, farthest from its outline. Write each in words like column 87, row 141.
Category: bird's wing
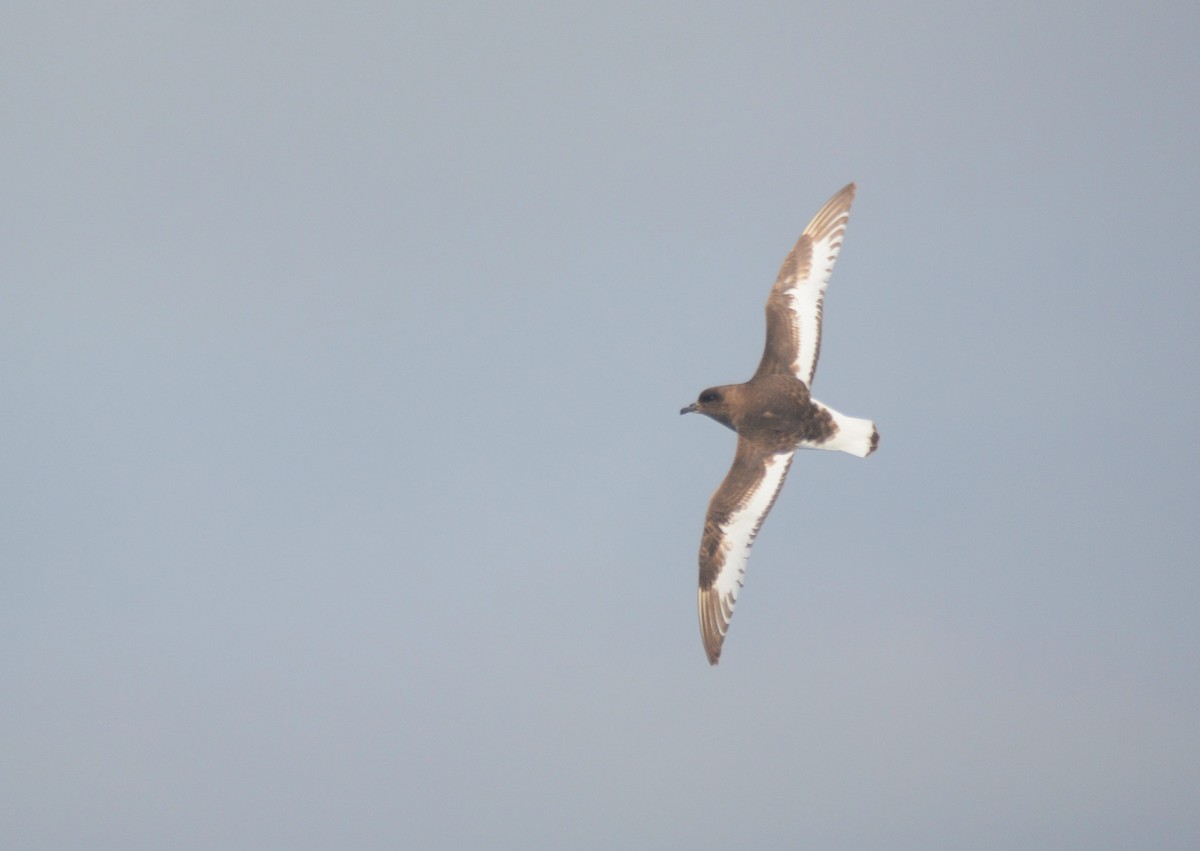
column 735, row 513
column 794, row 306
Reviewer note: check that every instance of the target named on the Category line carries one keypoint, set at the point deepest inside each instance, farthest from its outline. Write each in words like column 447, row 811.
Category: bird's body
column 773, row 414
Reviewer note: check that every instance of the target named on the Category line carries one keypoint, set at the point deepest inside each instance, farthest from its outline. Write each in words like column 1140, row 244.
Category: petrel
column 773, row 415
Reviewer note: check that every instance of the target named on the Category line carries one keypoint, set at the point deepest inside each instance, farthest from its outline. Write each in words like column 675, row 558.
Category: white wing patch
column 737, row 536
column 806, row 295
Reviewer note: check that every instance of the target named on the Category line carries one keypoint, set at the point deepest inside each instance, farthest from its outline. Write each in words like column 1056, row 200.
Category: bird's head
column 714, row 402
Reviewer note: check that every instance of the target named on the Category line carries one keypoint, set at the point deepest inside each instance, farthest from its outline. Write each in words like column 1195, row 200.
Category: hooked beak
column 690, row 409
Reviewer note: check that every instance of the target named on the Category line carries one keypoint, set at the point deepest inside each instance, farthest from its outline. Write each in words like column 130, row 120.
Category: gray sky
column 347, row 503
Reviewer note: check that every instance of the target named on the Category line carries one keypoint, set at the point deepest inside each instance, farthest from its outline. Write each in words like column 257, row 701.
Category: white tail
column 856, row 436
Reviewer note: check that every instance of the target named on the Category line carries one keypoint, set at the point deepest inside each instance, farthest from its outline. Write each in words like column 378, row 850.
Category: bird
column 774, row 414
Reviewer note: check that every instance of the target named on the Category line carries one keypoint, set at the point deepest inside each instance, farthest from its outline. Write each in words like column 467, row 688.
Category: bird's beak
column 690, row 409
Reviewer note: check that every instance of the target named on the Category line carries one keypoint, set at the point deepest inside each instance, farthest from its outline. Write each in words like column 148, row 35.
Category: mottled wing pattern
column 735, row 513
column 794, row 306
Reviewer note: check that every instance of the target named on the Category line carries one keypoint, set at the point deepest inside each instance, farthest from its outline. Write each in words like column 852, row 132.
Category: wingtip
column 713, row 651
column 711, row 633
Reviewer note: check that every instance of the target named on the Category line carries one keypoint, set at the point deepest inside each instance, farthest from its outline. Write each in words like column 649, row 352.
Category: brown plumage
column 773, row 415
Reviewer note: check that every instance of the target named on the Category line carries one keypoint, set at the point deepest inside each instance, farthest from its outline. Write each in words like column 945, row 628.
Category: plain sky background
column 346, row 502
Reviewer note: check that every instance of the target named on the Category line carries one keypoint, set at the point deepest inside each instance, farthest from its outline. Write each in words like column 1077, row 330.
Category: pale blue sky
column 347, row 503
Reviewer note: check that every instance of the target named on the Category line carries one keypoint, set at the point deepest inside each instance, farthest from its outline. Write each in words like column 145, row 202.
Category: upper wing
column 735, row 513
column 794, row 306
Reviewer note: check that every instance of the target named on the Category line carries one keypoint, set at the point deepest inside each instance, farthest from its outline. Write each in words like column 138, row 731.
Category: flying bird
column 773, row 415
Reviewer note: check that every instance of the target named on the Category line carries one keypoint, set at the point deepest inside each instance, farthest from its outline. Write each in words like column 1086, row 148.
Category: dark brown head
column 714, row 402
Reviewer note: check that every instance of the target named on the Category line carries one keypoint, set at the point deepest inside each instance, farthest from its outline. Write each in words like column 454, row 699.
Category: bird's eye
column 710, row 396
